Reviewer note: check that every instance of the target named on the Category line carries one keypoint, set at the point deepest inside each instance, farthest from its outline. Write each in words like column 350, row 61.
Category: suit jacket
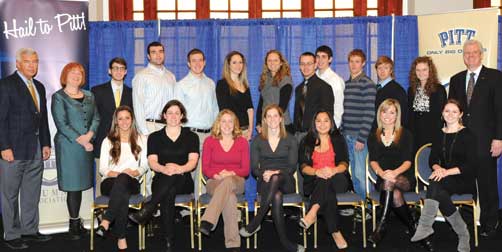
column 21, row 125
column 395, row 91
column 484, row 114
column 319, row 96
column 105, row 102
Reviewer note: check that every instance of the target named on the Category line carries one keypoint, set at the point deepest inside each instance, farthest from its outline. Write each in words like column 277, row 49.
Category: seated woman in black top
column 232, row 92
column 172, row 153
column 390, row 155
column 454, row 167
column 324, row 161
column 274, row 155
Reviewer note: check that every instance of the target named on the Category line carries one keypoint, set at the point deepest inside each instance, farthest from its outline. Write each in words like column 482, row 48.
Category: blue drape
column 252, row 37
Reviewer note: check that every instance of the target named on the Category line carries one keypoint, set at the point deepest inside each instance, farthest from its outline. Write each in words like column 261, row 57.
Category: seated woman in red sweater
column 225, row 162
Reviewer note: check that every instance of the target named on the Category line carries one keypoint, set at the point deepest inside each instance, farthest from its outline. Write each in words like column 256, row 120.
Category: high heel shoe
column 306, row 225
column 101, row 231
column 342, row 245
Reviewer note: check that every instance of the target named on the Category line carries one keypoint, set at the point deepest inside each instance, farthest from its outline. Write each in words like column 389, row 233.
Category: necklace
column 387, row 142
column 71, row 94
column 447, row 155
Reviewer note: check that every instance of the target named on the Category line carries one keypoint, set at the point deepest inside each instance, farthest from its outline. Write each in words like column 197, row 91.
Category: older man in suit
column 24, row 144
column 479, row 91
column 109, row 96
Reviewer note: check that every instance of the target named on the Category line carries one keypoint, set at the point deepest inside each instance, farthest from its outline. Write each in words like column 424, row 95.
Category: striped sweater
column 359, row 107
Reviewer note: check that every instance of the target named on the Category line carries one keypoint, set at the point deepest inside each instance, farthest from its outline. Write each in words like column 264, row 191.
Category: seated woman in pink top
column 323, row 161
column 225, row 162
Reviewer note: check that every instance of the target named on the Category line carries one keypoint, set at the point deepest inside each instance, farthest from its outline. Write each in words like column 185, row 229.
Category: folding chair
column 423, row 172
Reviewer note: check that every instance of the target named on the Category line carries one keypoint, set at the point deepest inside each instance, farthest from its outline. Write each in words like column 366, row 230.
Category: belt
column 200, row 130
column 155, row 121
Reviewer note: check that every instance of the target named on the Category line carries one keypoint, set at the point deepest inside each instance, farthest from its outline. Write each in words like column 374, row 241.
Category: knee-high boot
column 459, row 226
column 424, row 228
column 404, row 215
column 385, row 204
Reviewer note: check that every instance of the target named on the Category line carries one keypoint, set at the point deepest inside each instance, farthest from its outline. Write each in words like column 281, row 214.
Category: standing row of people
column 77, row 115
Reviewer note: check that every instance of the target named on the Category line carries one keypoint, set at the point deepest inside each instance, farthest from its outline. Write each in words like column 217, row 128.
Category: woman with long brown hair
column 122, row 162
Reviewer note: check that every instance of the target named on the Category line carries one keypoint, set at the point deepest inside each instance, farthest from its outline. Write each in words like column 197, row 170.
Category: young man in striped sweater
column 359, row 112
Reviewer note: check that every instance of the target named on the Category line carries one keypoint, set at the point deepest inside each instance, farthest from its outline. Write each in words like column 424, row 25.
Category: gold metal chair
column 203, row 202
column 289, row 200
column 135, row 202
column 423, row 171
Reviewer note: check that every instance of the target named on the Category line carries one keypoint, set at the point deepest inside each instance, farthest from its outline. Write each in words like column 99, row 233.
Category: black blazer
column 319, row 96
column 484, row 114
column 105, row 102
column 395, row 91
column 20, row 122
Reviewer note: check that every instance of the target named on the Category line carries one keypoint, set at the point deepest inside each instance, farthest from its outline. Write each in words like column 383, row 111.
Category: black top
column 173, row 152
column 393, row 156
column 456, row 150
column 319, row 96
column 105, row 102
column 284, row 159
column 238, row 103
column 421, row 124
column 392, row 90
column 305, row 157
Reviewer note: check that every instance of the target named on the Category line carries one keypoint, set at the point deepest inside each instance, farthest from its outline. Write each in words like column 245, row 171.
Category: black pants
column 324, row 194
column 119, row 189
column 442, row 190
column 488, row 191
column 164, row 191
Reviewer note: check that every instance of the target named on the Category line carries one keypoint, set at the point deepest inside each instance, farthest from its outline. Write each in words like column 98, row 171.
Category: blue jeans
column 357, row 165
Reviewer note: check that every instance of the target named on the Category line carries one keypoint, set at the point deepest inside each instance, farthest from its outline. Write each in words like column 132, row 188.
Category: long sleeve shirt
column 359, row 107
column 216, row 159
column 198, row 95
column 126, row 159
column 338, row 85
column 152, row 88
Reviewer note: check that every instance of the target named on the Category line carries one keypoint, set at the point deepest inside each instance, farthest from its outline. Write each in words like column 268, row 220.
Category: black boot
column 169, row 245
column 76, row 230
column 404, row 215
column 144, row 214
column 385, row 204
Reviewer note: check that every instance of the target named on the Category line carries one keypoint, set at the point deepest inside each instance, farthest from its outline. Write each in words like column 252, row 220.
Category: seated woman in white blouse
column 122, row 162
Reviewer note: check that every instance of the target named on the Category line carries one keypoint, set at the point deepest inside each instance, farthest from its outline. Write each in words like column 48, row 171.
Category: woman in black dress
column 426, row 98
column 453, row 165
column 390, row 155
column 172, row 153
column 324, row 161
column 232, row 92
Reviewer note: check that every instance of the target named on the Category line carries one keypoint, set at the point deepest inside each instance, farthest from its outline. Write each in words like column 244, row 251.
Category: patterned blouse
column 421, row 101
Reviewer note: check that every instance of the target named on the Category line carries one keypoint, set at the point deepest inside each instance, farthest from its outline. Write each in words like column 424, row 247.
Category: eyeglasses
column 121, row 68
column 307, row 63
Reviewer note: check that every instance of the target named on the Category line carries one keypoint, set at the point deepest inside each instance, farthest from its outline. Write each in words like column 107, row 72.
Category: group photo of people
column 298, row 156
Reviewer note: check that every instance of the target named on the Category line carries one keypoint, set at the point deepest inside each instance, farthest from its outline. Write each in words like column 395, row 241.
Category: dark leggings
column 324, row 194
column 73, row 201
column 402, row 184
column 271, row 193
column 436, row 192
column 119, row 190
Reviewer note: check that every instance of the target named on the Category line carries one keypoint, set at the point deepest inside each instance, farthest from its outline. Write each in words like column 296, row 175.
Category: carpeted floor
column 395, row 240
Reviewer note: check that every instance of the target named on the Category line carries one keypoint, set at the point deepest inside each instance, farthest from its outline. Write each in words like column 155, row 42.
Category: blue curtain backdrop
column 253, row 38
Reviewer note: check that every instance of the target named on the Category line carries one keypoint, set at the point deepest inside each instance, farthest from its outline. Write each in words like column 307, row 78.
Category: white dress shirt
column 126, row 159
column 152, row 88
column 338, row 86
column 198, row 95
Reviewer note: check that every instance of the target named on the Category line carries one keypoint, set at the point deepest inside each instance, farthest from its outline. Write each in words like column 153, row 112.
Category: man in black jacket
column 479, row 91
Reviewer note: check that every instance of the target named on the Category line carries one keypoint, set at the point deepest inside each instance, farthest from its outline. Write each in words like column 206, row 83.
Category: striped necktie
column 470, row 88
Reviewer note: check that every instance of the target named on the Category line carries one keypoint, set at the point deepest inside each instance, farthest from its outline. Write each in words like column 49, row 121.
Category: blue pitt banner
column 58, row 31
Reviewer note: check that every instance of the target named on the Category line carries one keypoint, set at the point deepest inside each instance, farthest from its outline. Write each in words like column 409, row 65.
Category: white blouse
column 126, row 159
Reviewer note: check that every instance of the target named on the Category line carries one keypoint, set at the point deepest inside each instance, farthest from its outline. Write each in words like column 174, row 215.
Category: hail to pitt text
column 31, row 27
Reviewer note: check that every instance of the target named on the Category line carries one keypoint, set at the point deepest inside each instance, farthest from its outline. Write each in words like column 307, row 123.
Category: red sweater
column 215, row 159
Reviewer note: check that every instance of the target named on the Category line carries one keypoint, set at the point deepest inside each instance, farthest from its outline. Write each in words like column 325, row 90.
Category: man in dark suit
column 109, row 96
column 24, row 144
column 312, row 95
column 479, row 91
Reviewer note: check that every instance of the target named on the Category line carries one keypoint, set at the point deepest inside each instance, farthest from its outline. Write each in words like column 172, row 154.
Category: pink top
column 215, row 159
column 323, row 159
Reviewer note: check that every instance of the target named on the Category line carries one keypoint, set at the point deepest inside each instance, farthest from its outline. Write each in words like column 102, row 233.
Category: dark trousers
column 324, row 194
column 488, row 196
column 119, row 190
column 164, row 190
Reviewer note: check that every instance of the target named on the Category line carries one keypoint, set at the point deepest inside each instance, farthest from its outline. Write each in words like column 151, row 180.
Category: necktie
column 117, row 98
column 305, row 82
column 33, row 94
column 470, row 88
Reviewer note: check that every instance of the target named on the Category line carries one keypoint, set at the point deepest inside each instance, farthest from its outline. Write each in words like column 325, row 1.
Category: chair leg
column 304, row 230
column 363, row 210
column 247, row 222
column 475, row 224
column 255, row 234
column 92, row 230
column 199, row 208
column 315, row 234
column 191, row 226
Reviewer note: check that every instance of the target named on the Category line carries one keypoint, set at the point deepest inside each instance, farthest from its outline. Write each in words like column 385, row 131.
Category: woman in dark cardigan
column 323, row 161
